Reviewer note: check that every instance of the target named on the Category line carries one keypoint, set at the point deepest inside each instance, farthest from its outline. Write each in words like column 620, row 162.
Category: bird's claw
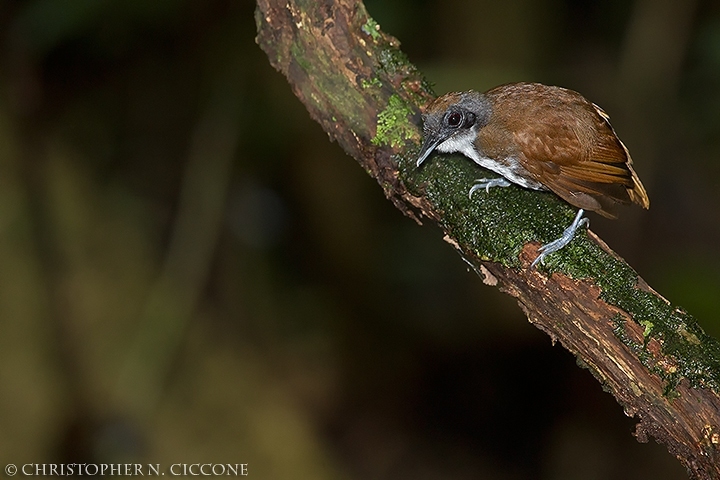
column 487, row 184
column 564, row 239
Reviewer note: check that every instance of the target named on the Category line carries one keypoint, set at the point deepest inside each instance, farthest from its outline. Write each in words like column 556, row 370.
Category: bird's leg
column 566, row 237
column 487, row 184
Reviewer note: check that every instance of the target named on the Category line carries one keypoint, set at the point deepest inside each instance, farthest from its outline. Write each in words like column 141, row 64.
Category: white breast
column 508, row 167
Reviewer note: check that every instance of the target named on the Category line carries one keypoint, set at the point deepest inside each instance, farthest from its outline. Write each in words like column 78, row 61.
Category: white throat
column 508, row 167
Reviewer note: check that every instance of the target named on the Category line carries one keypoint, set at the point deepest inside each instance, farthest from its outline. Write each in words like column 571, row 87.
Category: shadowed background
column 191, row 272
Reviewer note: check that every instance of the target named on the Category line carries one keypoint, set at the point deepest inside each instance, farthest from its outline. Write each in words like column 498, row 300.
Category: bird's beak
column 428, row 146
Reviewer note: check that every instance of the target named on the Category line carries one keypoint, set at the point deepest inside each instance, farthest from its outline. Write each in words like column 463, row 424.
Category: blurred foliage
column 190, row 271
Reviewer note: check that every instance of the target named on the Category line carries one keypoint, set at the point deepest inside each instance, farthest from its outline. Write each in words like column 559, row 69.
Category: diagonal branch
column 652, row 356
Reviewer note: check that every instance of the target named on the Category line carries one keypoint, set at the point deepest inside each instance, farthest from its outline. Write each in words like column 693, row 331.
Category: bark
column 652, row 356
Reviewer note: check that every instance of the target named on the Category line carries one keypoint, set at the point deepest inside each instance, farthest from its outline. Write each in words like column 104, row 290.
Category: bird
column 539, row 137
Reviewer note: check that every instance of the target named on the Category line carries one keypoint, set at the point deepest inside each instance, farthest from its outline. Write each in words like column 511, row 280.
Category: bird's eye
column 454, row 119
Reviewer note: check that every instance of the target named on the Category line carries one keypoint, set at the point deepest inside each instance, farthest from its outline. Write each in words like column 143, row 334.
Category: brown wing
column 570, row 147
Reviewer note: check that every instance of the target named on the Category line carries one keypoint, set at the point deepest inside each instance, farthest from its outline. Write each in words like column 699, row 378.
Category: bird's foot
column 566, row 238
column 487, row 184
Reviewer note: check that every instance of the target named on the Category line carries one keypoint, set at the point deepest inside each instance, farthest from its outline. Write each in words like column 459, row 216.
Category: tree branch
column 652, row 356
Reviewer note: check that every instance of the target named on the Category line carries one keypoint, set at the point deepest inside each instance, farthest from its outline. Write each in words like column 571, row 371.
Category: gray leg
column 487, row 184
column 566, row 237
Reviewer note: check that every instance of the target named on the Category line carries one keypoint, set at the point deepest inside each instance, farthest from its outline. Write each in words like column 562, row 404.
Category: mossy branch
column 652, row 356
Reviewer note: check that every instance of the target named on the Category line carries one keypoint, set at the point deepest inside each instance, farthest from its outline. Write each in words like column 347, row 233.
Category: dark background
column 191, row 272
